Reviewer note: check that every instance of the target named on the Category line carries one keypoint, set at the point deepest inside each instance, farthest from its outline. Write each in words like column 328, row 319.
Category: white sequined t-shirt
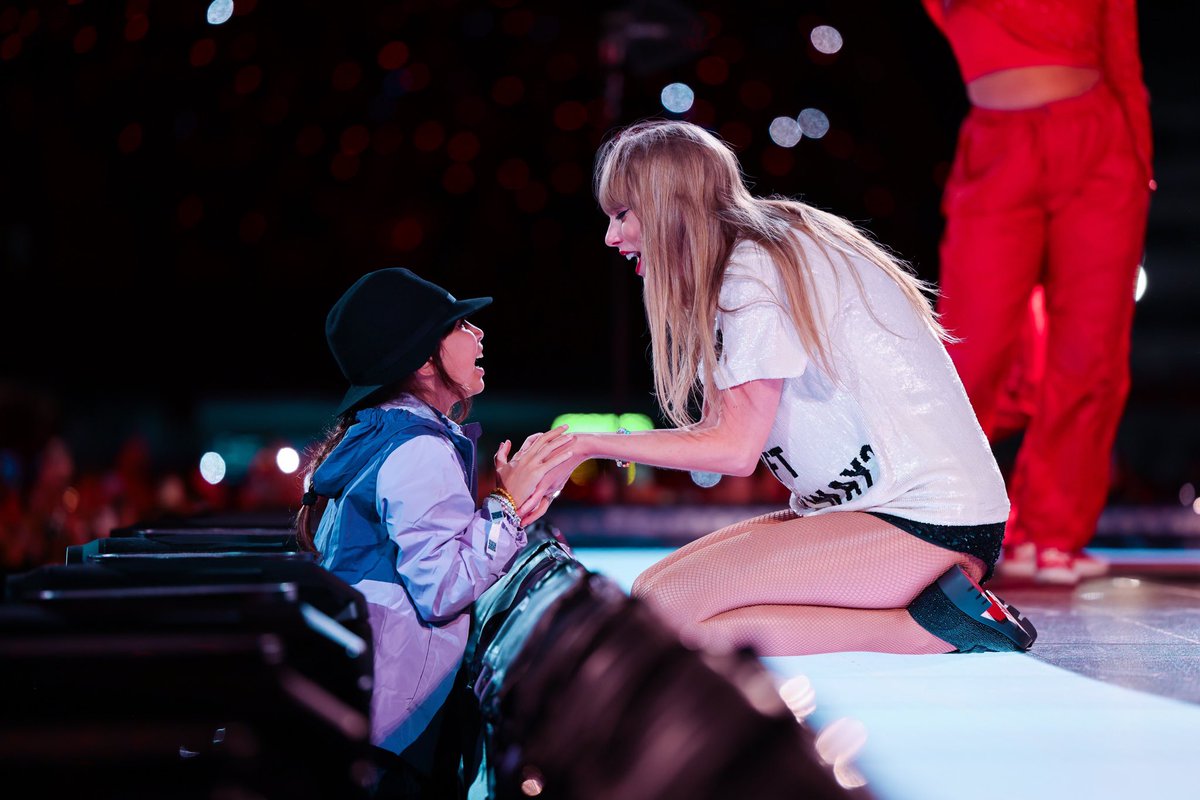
column 892, row 430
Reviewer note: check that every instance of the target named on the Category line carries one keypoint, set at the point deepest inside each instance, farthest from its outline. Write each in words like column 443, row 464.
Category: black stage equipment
column 171, row 671
column 584, row 693
column 229, row 535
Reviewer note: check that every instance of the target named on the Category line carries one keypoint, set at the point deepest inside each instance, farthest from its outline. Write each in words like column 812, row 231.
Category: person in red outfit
column 1045, row 212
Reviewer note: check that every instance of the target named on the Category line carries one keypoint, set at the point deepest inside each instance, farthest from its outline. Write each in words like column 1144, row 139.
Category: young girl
column 809, row 347
column 391, row 507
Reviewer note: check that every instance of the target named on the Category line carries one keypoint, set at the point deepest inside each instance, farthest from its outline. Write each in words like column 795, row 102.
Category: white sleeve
column 758, row 338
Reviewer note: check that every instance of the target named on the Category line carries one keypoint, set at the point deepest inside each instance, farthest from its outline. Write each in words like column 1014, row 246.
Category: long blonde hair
column 686, row 188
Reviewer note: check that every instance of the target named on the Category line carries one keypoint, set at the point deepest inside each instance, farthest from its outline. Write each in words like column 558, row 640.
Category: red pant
column 1052, row 197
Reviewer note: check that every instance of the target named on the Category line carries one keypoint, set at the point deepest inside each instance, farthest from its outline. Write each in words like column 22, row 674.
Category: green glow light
column 603, row 423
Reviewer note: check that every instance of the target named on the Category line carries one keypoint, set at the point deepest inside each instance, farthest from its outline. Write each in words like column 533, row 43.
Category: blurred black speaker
column 325, row 620
column 182, row 715
column 585, row 693
column 230, row 536
column 186, row 675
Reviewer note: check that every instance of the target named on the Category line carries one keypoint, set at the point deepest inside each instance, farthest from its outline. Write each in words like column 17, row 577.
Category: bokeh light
column 813, row 123
column 799, row 696
column 785, row 131
column 248, row 79
column 407, row 234
column 10, row 48
column 355, row 139
column 136, row 27
column 826, row 39
column 190, row 212
column 603, row 423
column 532, row 782
column 677, row 97
column 848, row 776
column 393, row 55
column 287, row 459
column 841, row 740
column 85, row 40
column 202, row 52
column 130, row 138
column 212, row 467
column 1139, row 289
column 252, row 227
column 463, row 146
column 219, row 11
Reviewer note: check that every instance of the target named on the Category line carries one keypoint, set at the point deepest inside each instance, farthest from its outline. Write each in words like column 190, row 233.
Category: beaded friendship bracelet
column 621, row 463
column 629, row 467
column 504, row 494
column 508, row 503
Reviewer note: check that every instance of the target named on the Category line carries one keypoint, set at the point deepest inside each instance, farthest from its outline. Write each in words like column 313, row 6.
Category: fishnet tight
column 790, row 585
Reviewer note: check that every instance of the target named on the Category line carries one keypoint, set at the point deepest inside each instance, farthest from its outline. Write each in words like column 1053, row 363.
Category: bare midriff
column 1030, row 87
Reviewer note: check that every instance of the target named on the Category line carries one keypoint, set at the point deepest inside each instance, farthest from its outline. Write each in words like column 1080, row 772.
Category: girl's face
column 461, row 348
column 625, row 234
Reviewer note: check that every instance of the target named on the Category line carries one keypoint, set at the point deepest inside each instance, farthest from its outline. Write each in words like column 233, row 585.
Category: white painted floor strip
column 1001, row 725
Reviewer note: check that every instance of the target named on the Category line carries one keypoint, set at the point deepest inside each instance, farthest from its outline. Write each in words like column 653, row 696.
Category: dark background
column 180, row 203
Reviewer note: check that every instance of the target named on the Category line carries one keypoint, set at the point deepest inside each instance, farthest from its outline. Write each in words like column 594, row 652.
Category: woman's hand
column 527, row 475
column 532, row 512
column 556, row 479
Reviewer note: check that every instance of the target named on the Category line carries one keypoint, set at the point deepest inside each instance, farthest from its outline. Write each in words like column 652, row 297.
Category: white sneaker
column 1087, row 565
column 1056, row 567
column 1018, row 561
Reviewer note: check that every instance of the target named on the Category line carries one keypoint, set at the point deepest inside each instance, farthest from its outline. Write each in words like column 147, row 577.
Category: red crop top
column 990, row 35
column 982, row 45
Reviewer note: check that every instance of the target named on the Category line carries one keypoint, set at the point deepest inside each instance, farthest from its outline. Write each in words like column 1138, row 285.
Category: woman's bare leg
column 711, row 539
column 792, row 585
column 805, row 630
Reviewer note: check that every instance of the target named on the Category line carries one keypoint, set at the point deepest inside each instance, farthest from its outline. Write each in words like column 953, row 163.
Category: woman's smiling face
column 625, row 234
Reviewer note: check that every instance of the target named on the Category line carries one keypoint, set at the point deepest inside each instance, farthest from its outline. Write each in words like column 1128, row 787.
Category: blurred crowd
column 51, row 498
column 48, row 502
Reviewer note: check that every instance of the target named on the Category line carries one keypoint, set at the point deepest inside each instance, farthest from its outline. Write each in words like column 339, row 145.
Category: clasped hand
column 530, row 474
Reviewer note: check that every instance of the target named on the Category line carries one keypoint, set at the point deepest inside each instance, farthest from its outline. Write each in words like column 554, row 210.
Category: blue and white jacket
column 402, row 527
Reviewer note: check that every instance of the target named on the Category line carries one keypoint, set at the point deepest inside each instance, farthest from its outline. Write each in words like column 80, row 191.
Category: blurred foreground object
column 185, row 667
column 585, row 693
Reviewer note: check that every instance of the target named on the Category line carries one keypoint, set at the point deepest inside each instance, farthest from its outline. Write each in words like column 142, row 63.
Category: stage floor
column 1105, row 705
